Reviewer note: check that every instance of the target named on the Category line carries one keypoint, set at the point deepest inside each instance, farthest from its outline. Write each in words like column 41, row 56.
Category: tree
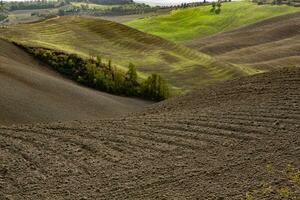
column 99, row 60
column 131, row 80
column 155, row 88
column 213, row 5
column 1, row 6
column 131, row 75
column 218, row 9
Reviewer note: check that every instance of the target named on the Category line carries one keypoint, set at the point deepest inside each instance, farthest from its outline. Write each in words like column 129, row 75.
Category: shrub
column 98, row 75
column 155, row 88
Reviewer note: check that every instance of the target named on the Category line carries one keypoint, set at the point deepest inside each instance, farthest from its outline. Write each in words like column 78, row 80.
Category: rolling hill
column 183, row 67
column 214, row 143
column 265, row 45
column 194, row 23
column 31, row 93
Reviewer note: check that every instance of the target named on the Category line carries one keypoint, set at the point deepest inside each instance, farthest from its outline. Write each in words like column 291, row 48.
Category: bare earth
column 210, row 144
column 31, row 93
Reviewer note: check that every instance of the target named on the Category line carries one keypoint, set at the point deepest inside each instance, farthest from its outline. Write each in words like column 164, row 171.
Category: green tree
column 213, row 7
column 131, row 80
column 131, row 75
column 91, row 73
column 218, row 8
column 155, row 88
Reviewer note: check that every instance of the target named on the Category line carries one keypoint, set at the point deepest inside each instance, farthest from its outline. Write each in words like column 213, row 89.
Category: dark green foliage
column 117, row 10
column 213, row 7
column 111, row 2
column 131, row 81
column 3, row 13
column 216, row 7
column 155, row 88
column 105, row 77
column 30, row 5
column 2, row 17
column 260, row 2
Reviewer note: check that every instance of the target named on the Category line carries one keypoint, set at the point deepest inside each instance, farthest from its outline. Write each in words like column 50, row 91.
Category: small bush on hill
column 216, row 7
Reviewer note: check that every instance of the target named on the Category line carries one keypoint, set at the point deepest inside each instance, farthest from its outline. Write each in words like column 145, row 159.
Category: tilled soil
column 211, row 144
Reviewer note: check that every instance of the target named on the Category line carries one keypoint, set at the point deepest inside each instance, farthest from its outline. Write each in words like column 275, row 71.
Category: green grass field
column 191, row 23
column 183, row 67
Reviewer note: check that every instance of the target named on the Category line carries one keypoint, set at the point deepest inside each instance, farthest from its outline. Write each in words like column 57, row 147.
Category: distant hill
column 194, row 23
column 269, row 44
column 183, row 67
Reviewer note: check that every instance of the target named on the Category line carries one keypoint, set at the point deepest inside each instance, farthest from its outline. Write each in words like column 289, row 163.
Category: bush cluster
column 103, row 76
column 216, row 7
column 3, row 17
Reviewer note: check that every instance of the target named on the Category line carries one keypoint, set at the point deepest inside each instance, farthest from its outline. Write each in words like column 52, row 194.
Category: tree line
column 3, row 14
column 124, row 9
column 95, row 73
column 111, row 2
column 32, row 5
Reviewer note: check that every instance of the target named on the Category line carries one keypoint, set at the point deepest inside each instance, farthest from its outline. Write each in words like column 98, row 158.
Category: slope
column 184, row 68
column 265, row 45
column 30, row 93
column 194, row 23
column 211, row 144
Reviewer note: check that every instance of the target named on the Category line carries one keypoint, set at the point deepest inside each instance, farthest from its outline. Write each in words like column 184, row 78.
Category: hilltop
column 193, row 23
column 31, row 93
column 215, row 143
column 266, row 45
column 183, row 67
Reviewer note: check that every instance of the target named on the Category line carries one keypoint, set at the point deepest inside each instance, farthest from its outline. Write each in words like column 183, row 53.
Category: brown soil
column 210, row 144
column 31, row 92
column 272, row 43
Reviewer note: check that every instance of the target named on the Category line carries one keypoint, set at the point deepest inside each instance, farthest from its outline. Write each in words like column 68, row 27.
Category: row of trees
column 111, row 2
column 3, row 14
column 126, row 9
column 102, row 76
column 31, row 5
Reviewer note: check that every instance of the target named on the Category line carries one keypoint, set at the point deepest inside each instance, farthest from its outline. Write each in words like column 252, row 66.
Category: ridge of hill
column 269, row 44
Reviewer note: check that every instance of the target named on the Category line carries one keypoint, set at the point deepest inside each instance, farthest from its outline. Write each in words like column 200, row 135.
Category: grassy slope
column 190, row 23
column 183, row 67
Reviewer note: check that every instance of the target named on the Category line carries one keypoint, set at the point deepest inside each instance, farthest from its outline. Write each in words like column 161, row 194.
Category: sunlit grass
column 190, row 23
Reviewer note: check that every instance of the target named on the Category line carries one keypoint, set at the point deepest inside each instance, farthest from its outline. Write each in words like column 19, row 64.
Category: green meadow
column 191, row 23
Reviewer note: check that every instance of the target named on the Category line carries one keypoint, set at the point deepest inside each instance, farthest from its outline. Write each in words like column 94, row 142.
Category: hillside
column 265, row 45
column 216, row 143
column 191, row 23
column 184, row 68
column 31, row 92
